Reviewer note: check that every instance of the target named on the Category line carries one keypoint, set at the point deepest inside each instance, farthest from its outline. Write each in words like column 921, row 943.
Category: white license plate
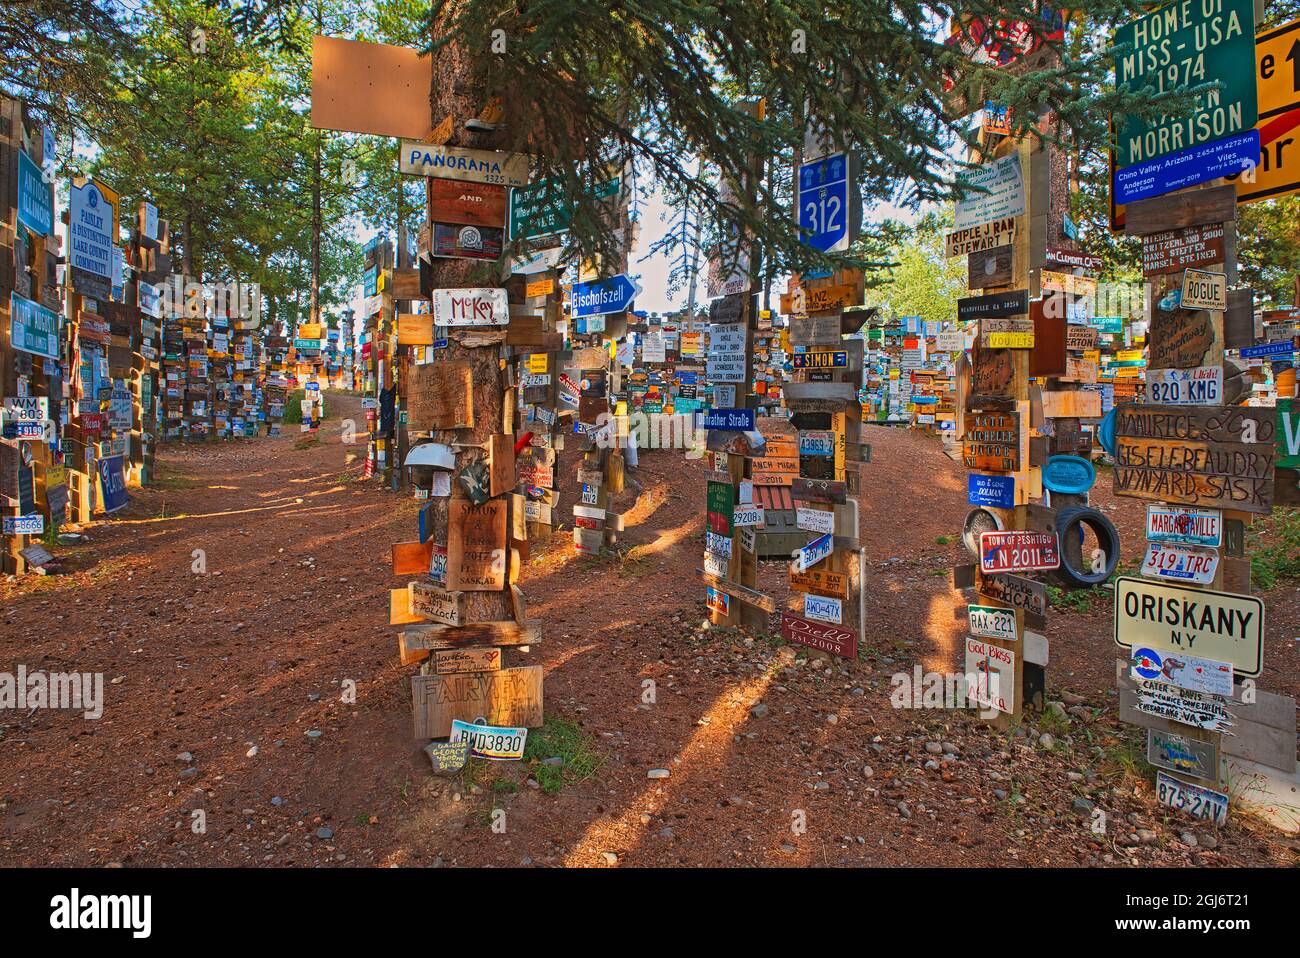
column 488, row 741
column 1199, row 802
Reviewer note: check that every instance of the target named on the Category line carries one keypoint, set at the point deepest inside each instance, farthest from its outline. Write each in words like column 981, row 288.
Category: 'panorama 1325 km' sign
column 1181, row 45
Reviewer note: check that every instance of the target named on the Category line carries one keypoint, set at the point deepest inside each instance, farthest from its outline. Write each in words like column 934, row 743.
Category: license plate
column 1015, row 551
column 1203, row 803
column 1180, row 563
column 488, row 741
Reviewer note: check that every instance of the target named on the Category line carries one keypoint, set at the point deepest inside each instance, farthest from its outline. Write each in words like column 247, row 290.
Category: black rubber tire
column 1072, row 518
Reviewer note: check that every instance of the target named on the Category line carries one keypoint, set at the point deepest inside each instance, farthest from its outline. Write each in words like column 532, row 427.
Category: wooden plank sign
column 820, row 582
column 1196, row 456
column 1182, row 249
column 467, row 203
column 992, row 441
column 511, row 697
column 996, row 233
column 819, row 635
column 440, row 396
column 992, row 378
column 991, row 267
column 434, row 604
column 476, row 546
column 456, row 163
column 461, row 661
column 471, row 307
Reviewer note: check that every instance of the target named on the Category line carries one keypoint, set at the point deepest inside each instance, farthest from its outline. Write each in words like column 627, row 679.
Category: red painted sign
column 819, row 635
column 1018, row 551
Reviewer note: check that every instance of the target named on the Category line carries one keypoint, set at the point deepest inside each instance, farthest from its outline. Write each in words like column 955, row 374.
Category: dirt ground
column 770, row 760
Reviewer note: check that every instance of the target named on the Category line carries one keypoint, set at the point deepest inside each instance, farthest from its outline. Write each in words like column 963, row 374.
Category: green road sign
column 543, row 209
column 1184, row 45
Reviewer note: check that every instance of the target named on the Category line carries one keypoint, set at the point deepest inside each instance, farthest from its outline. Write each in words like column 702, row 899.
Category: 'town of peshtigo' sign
column 1172, row 618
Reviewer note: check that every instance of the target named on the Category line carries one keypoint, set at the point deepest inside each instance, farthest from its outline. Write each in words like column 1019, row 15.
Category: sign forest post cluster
column 1190, row 634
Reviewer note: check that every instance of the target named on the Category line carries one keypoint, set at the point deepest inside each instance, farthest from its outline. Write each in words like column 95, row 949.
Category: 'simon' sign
column 819, row 635
column 1178, row 46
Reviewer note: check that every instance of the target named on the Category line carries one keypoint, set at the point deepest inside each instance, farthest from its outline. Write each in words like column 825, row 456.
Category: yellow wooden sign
column 1010, row 340
column 542, row 287
column 538, row 362
column 309, row 331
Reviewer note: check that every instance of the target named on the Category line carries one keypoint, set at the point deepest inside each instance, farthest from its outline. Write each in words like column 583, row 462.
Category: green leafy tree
column 920, row 280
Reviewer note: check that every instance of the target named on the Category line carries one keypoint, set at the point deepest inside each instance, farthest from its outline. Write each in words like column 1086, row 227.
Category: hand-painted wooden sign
column 510, row 697
column 990, row 267
column 1180, row 563
column 977, row 239
column 820, row 582
column 990, row 675
column 1058, row 256
column 1186, row 525
column 1188, row 708
column 1182, row 249
column 456, row 163
column 471, row 204
column 1180, row 619
column 473, row 659
column 470, row 307
column 1027, row 594
column 992, row 378
column 1074, row 475
column 819, row 635
column 1219, row 456
column 992, row 441
column 436, row 605
column 440, row 396
column 476, row 546
column 992, row 622
column 1015, row 550
column 1184, row 671
column 1187, row 756
column 774, row 471
column 1183, row 338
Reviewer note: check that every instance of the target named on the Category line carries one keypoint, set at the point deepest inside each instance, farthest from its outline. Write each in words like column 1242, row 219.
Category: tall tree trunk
column 315, row 233
column 455, row 92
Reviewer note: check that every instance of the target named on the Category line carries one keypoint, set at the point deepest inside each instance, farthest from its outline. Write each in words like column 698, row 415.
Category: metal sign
column 1203, row 803
column 992, row 622
column 614, row 295
column 824, row 203
column 1175, row 618
column 1018, row 551
column 1187, row 756
column 1190, row 672
column 1181, row 563
column 1185, row 524
column 1182, row 45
